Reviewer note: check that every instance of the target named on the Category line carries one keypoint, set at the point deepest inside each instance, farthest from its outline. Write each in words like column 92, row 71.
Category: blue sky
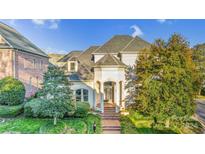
column 62, row 36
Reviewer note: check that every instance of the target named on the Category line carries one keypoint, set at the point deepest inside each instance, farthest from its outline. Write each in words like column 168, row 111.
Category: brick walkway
column 110, row 121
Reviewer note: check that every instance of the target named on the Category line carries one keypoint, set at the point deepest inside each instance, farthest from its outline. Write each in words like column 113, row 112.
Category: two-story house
column 98, row 73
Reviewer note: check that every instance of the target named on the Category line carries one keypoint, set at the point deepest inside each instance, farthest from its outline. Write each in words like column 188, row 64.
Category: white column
column 123, row 94
column 117, row 96
column 94, row 99
column 102, row 96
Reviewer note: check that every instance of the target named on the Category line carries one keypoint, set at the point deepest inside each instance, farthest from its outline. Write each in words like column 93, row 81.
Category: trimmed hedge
column 32, row 107
column 12, row 91
column 82, row 109
column 10, row 111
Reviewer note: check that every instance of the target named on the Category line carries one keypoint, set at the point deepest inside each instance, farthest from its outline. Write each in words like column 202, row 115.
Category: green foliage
column 199, row 60
column 82, row 109
column 12, row 91
column 130, row 85
column 45, row 126
column 89, row 120
column 136, row 123
column 10, row 111
column 165, row 82
column 33, row 107
column 57, row 93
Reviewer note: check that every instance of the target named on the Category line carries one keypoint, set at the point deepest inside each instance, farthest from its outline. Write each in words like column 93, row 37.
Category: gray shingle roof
column 115, row 44
column 136, row 44
column 86, row 56
column 72, row 54
column 122, row 43
column 109, row 59
column 17, row 41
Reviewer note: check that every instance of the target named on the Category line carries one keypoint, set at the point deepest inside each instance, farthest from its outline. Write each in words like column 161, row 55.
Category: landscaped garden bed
column 24, row 125
column 136, row 123
column 10, row 111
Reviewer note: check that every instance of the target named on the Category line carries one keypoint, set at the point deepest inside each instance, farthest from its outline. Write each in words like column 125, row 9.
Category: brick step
column 111, row 129
column 113, row 111
column 109, row 111
column 111, row 118
column 109, row 108
column 110, row 115
column 110, row 126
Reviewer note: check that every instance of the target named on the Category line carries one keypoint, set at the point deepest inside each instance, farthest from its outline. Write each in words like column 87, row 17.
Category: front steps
column 110, row 121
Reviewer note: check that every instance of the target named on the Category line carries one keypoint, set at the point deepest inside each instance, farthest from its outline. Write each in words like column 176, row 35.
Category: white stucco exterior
column 129, row 58
column 88, row 85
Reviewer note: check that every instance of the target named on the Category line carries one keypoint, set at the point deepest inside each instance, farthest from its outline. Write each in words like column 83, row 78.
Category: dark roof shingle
column 17, row 41
column 72, row 54
column 115, row 44
column 109, row 59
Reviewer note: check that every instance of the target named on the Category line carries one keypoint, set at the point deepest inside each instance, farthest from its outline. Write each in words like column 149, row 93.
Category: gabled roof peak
column 109, row 60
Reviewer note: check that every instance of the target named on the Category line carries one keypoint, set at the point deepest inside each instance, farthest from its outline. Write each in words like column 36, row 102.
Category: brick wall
column 30, row 69
column 6, row 63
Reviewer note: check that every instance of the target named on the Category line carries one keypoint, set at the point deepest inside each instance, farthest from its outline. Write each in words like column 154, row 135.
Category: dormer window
column 72, row 66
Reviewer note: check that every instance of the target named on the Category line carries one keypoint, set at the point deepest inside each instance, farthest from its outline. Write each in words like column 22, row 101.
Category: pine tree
column 57, row 93
column 165, row 80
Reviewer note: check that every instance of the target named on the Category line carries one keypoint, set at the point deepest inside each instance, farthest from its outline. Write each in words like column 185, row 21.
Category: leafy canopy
column 165, row 79
column 57, row 93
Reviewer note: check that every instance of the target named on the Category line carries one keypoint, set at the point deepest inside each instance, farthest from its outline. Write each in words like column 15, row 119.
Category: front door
column 108, row 90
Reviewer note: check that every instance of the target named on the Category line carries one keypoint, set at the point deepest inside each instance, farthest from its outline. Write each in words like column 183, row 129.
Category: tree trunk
column 55, row 121
column 167, row 123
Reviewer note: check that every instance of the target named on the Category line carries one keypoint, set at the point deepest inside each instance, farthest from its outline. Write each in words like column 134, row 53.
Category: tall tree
column 199, row 60
column 165, row 79
column 57, row 93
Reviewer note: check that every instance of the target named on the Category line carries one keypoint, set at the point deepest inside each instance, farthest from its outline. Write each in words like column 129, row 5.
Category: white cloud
column 51, row 23
column 137, row 31
column 38, row 21
column 161, row 21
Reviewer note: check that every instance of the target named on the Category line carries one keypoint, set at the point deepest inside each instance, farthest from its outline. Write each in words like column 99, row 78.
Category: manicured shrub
column 32, row 107
column 12, row 91
column 82, row 109
column 10, row 111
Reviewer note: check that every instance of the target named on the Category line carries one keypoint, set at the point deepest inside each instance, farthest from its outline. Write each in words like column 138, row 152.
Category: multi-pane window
column 85, row 95
column 81, row 95
column 72, row 66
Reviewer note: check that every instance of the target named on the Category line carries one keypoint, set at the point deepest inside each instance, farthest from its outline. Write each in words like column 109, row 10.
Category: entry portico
column 109, row 77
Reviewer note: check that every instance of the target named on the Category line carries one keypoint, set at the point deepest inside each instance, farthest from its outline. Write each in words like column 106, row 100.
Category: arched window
column 81, row 95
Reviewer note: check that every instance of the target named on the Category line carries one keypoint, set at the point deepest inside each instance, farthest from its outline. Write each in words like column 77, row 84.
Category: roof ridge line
column 128, row 43
column 113, row 57
column 6, row 41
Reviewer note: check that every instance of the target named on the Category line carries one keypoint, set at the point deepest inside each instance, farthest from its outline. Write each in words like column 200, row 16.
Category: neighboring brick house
column 21, row 59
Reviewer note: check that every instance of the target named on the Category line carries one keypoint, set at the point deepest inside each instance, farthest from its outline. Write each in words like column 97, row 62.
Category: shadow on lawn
column 128, row 127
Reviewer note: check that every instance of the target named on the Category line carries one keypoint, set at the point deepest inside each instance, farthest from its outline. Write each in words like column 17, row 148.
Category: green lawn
column 24, row 125
column 138, row 124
